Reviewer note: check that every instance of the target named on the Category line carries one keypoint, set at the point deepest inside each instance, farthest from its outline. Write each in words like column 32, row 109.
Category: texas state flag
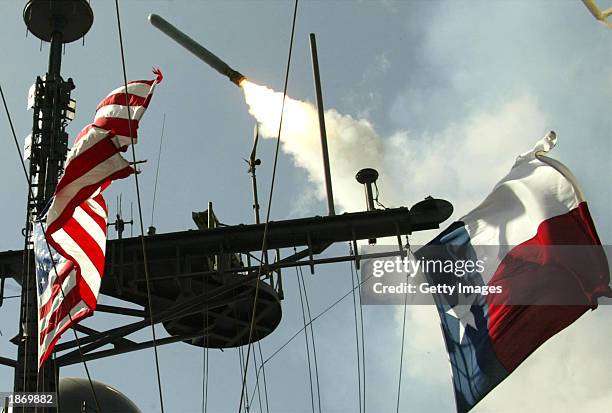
column 540, row 264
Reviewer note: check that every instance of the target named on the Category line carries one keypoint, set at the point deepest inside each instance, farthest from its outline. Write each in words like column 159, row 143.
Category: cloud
column 365, row 99
column 446, row 164
column 478, row 58
column 566, row 374
column 498, row 78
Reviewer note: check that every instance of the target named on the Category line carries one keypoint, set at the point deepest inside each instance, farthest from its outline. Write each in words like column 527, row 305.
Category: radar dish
column 73, row 18
column 75, row 396
column 435, row 209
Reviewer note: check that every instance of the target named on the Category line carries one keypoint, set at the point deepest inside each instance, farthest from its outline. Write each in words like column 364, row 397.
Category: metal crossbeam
column 186, row 286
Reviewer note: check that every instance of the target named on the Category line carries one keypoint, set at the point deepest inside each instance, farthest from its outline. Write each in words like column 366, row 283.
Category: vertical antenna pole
column 255, row 197
column 319, row 95
column 55, row 52
column 57, row 23
column 253, row 162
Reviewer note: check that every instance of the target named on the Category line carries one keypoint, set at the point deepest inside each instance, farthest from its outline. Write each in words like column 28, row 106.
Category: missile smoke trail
column 353, row 143
column 410, row 167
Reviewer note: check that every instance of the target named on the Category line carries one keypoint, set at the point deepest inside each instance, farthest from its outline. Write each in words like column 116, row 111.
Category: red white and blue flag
column 76, row 219
column 543, row 261
column 68, row 283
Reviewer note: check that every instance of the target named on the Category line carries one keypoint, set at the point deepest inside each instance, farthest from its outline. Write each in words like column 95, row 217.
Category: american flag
column 76, row 219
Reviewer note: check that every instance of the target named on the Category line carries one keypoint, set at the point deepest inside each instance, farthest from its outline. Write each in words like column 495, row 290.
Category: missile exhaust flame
column 265, row 105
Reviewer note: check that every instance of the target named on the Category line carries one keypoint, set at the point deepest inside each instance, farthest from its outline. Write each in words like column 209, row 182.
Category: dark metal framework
column 199, row 274
column 57, row 23
column 202, row 292
column 49, row 146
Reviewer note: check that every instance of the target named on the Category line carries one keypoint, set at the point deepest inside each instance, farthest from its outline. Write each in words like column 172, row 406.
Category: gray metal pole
column 58, row 23
column 255, row 197
column 321, row 111
column 253, row 162
column 369, row 197
column 55, row 53
column 45, row 166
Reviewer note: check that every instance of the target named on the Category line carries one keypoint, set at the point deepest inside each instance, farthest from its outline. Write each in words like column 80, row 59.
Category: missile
column 196, row 48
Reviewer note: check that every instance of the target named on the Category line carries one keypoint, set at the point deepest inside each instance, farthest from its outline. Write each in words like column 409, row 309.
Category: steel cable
column 144, row 250
column 27, row 234
column 265, row 233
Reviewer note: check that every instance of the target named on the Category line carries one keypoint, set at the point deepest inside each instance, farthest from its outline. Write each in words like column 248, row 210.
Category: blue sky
column 452, row 91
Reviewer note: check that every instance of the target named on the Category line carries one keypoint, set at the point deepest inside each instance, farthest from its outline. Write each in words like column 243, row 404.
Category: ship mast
column 202, row 292
column 57, row 23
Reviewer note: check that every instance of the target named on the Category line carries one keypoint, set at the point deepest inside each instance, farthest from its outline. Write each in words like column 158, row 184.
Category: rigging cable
column 376, row 197
column 205, row 360
column 263, row 369
column 26, row 259
column 27, row 234
column 206, row 390
column 247, row 406
column 399, row 385
column 356, row 331
column 240, row 351
column 265, row 232
column 257, row 385
column 321, row 314
column 161, row 141
column 399, row 382
column 363, row 358
column 56, row 368
column 144, row 250
column 27, row 255
column 312, row 336
column 250, row 256
column 26, row 250
column 306, row 337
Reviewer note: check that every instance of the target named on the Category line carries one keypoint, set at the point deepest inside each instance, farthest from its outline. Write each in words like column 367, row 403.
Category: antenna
column 321, row 112
column 253, row 162
column 601, row 15
column 56, row 23
column 119, row 223
column 253, row 158
column 152, row 229
column 367, row 177
column 132, row 219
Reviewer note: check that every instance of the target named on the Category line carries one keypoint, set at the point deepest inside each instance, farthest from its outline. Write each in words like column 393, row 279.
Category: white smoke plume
column 410, row 167
column 460, row 163
column 353, row 143
column 481, row 57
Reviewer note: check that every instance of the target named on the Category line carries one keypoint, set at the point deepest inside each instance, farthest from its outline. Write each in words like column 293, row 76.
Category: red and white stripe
column 112, row 113
column 536, row 189
column 76, row 220
column 82, row 244
column 548, row 260
column 94, row 160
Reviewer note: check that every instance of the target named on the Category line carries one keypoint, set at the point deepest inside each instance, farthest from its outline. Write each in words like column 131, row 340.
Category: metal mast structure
column 202, row 293
column 58, row 23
